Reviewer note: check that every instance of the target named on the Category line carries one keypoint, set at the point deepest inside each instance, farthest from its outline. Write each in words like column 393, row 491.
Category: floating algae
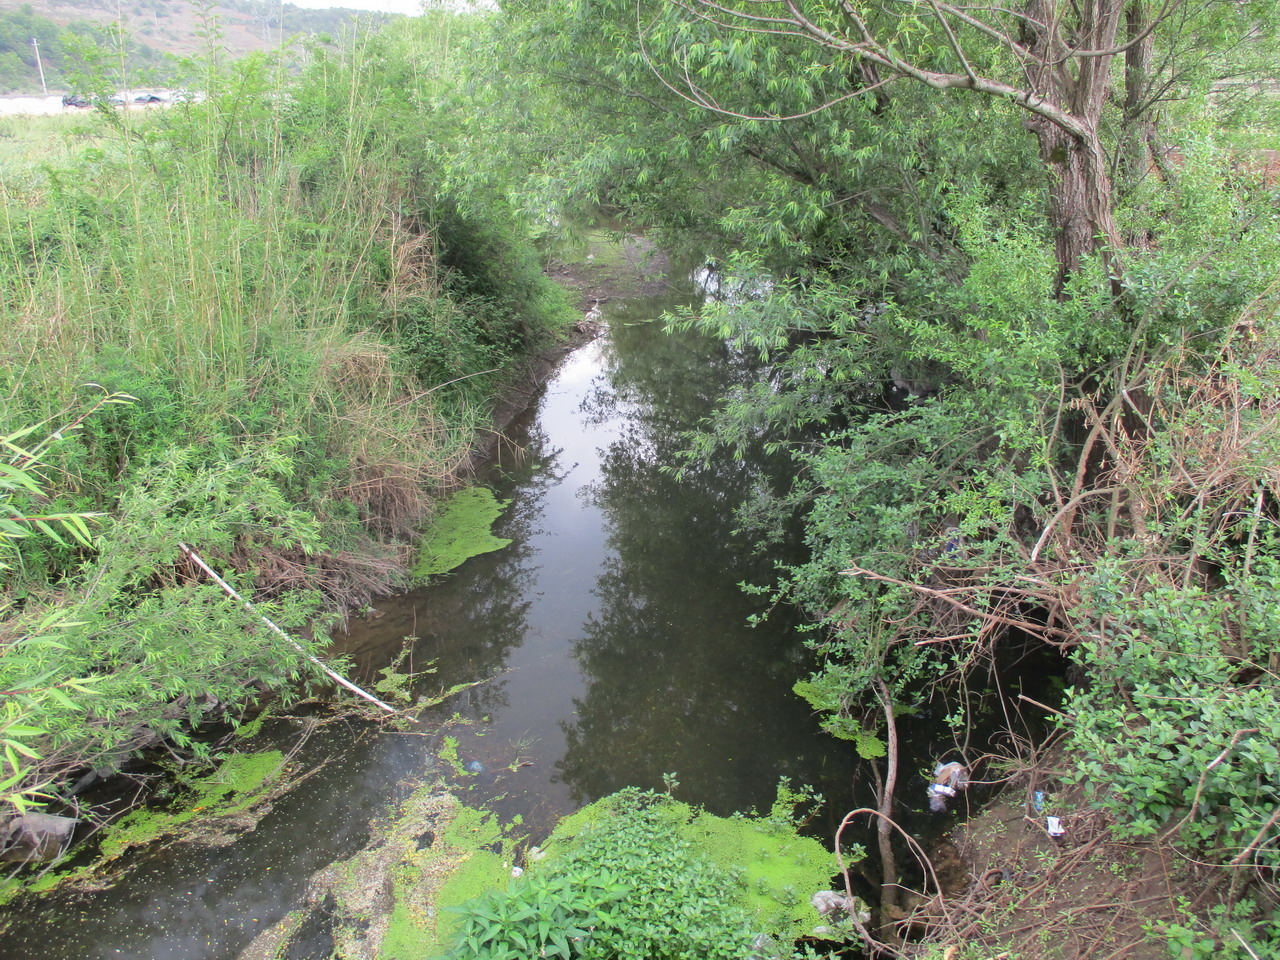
column 460, row 532
column 215, row 808
column 241, row 781
column 393, row 900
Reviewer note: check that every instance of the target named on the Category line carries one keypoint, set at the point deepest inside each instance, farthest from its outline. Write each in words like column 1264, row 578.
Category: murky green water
column 611, row 635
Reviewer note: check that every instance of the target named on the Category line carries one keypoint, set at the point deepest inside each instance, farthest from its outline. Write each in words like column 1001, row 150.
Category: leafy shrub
column 641, row 875
column 547, row 916
column 1175, row 728
column 158, row 653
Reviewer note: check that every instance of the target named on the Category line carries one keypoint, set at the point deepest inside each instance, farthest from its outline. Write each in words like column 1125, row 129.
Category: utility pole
column 39, row 66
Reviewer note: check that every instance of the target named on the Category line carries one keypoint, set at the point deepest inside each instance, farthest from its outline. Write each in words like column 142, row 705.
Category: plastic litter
column 831, row 904
column 517, row 872
column 827, row 902
column 1037, row 801
column 764, row 947
column 1054, row 826
column 948, row 780
column 475, row 766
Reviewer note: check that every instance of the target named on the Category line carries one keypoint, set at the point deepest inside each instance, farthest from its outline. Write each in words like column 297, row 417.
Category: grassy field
column 30, row 141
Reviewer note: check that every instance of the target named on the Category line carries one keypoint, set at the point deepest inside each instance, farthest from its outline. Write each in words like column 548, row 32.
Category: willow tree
column 1054, row 59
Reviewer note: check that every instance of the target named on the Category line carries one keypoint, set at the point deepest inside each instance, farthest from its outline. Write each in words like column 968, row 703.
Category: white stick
column 333, row 674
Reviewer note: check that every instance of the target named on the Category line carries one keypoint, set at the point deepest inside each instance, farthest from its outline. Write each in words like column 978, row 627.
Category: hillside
column 156, row 28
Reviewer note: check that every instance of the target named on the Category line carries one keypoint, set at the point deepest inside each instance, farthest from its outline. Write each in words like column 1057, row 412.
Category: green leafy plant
column 641, row 875
column 554, row 916
column 26, row 700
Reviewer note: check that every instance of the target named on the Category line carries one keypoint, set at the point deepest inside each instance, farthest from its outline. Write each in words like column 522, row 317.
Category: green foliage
column 549, row 916
column 1175, row 726
column 20, row 482
column 936, row 386
column 21, row 722
column 161, row 655
column 460, row 532
column 1238, row 932
column 250, row 269
column 641, row 875
column 889, row 253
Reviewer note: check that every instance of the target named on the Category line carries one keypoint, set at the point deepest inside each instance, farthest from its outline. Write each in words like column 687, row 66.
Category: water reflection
column 677, row 681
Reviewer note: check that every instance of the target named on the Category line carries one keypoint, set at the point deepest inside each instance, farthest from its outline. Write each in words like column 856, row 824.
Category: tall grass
column 257, row 263
column 29, row 141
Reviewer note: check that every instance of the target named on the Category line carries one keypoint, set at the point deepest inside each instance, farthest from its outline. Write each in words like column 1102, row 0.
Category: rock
column 35, row 836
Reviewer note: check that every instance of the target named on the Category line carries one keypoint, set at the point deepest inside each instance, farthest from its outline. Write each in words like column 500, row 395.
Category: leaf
column 21, row 748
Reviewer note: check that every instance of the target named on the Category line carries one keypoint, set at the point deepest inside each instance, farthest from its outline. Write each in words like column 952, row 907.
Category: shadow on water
column 611, row 637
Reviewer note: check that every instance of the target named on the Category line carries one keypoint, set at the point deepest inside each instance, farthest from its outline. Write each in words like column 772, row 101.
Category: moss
column 10, row 887
column 44, row 882
column 449, row 754
column 602, row 249
column 404, row 938
column 254, row 726
column 392, row 900
column 478, row 835
column 780, row 869
column 240, row 782
column 460, row 532
column 469, row 843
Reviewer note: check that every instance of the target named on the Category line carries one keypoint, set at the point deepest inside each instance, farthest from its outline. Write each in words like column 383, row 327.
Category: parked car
column 75, row 100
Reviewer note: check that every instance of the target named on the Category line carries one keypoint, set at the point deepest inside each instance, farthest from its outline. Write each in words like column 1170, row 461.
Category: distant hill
column 156, row 28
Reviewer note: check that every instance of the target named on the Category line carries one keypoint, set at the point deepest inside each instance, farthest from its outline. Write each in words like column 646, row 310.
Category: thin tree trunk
column 1137, row 158
column 890, row 904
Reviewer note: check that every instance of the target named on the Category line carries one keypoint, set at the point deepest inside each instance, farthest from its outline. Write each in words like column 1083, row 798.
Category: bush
column 1174, row 728
column 641, row 875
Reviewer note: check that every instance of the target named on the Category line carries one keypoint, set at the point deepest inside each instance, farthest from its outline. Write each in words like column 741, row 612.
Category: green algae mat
column 462, row 530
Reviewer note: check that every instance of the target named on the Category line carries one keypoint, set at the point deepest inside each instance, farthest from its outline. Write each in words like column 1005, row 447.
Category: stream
column 611, row 639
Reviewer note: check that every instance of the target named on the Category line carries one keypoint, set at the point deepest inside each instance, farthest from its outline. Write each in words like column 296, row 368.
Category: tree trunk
column 1081, row 196
column 1137, row 150
column 890, row 902
column 1080, row 202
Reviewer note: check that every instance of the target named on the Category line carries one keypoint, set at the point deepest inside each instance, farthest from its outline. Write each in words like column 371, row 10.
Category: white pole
column 337, row 677
column 39, row 66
